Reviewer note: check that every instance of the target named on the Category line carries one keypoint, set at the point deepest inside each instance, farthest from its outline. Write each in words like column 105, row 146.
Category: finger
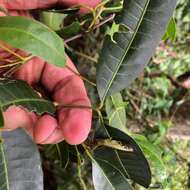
column 52, row 75
column 75, row 123
column 69, row 89
column 31, row 71
column 47, row 131
column 36, row 4
column 2, row 14
column 26, row 5
column 15, row 117
column 85, row 3
column 20, row 13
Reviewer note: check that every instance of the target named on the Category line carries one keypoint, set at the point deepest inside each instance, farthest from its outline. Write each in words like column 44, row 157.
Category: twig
column 83, row 78
column 110, row 18
column 79, row 164
column 94, row 60
column 11, row 52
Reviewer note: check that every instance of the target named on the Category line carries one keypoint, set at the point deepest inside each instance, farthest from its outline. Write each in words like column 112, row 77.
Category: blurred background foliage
column 157, row 105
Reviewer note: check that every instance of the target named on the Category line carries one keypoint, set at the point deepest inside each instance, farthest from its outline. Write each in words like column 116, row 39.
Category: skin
column 70, row 124
column 36, row 4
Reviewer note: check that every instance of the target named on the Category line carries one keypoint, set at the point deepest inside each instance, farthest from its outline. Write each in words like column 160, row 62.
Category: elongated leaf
column 17, row 92
column 33, row 37
column 105, row 180
column 115, row 109
column 153, row 153
column 20, row 165
column 121, row 62
column 119, row 160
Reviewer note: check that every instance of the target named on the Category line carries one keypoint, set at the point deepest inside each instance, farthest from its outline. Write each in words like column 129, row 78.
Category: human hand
column 36, row 4
column 70, row 124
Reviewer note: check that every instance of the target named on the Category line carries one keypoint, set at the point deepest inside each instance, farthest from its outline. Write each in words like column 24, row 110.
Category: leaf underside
column 121, row 62
column 115, row 110
column 20, row 165
column 33, row 37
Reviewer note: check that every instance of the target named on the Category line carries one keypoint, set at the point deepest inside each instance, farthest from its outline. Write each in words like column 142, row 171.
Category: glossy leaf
column 103, row 179
column 115, row 109
column 123, row 60
column 20, row 165
column 17, row 92
column 33, row 37
column 119, row 159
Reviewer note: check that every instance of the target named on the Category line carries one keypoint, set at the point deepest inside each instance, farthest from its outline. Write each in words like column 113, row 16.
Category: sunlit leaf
column 171, row 30
column 33, row 37
column 115, row 109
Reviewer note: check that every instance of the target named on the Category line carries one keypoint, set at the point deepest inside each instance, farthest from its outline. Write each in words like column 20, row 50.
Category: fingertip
column 54, row 138
column 43, row 128
column 15, row 117
column 76, row 126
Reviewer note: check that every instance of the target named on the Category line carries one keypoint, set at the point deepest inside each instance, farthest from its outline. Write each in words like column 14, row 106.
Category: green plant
column 117, row 160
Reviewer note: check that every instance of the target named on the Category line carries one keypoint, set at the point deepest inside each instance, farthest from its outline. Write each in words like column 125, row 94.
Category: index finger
column 37, row 4
column 26, row 5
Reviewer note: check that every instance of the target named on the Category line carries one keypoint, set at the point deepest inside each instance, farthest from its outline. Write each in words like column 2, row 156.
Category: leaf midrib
column 128, row 48
column 116, row 152
column 28, row 100
column 105, row 161
column 30, row 34
column 5, row 166
column 104, row 175
column 117, row 109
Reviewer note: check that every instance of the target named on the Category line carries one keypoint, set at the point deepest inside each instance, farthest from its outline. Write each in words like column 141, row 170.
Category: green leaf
column 17, row 92
column 20, row 165
column 119, row 159
column 70, row 30
column 121, row 62
column 171, row 31
column 33, row 37
column 58, row 152
column 103, row 179
column 152, row 153
column 52, row 19
column 114, row 28
column 115, row 109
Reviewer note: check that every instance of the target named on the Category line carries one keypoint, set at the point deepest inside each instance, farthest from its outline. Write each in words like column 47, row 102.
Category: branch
column 108, row 19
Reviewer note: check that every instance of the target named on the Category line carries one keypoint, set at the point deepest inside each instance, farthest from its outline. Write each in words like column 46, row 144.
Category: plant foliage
column 20, row 164
column 118, row 161
column 123, row 60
